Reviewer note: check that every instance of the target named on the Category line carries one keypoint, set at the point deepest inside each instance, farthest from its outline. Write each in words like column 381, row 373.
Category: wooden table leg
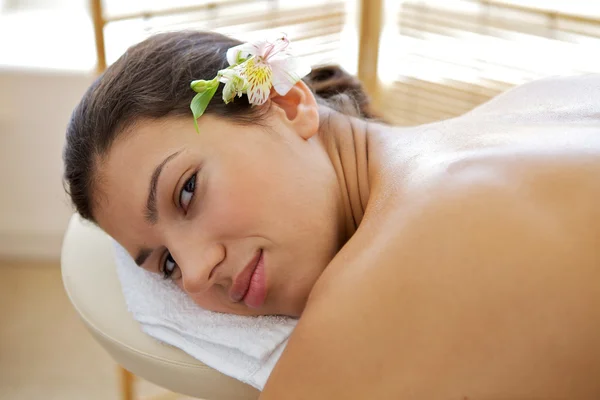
column 127, row 380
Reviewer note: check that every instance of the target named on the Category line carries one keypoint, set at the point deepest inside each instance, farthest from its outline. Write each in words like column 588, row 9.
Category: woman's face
column 241, row 218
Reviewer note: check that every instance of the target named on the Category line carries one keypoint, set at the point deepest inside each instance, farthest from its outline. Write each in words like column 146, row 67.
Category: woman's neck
column 346, row 141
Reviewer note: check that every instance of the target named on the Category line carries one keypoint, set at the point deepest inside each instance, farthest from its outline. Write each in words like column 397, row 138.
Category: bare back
column 476, row 270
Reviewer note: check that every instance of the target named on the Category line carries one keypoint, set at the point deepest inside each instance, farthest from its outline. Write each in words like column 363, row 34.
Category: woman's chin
column 293, row 307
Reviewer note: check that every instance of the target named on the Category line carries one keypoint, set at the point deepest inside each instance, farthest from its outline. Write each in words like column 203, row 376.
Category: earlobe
column 300, row 109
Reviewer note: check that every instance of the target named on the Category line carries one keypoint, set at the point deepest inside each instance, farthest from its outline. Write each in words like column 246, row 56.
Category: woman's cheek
column 232, row 204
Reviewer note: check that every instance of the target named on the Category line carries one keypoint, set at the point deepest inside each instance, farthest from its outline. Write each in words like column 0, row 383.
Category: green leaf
column 201, row 100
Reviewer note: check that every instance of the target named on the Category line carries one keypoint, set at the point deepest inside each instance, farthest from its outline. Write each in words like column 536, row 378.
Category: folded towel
column 245, row 348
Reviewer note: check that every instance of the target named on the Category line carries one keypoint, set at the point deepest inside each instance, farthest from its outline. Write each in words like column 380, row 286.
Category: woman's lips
column 257, row 290
column 250, row 284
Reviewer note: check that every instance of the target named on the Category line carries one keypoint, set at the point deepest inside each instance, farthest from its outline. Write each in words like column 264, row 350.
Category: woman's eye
column 187, row 192
column 169, row 266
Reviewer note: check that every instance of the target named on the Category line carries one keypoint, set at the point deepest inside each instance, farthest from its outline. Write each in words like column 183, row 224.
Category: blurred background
column 420, row 60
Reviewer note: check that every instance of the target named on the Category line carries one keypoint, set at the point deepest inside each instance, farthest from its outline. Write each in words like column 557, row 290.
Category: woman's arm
column 483, row 293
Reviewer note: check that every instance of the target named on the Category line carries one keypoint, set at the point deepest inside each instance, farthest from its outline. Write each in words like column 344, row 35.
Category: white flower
column 264, row 65
column 254, row 68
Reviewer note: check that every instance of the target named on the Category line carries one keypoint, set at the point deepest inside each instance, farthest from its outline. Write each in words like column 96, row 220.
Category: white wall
column 34, row 109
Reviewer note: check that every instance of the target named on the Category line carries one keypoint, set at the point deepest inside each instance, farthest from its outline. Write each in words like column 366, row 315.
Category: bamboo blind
column 315, row 27
column 441, row 58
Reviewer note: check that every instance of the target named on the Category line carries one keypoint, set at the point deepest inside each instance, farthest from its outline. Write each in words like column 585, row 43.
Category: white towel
column 245, row 348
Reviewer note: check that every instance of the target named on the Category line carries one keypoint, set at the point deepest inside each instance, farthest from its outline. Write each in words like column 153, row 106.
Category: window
column 322, row 31
column 59, row 34
column 441, row 58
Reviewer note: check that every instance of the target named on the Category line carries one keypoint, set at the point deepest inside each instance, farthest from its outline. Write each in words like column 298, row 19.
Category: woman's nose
column 198, row 264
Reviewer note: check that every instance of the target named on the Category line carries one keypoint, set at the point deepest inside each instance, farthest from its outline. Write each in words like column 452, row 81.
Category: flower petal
column 235, row 84
column 259, row 94
column 225, row 75
column 228, row 92
column 287, row 72
column 241, row 52
column 258, row 76
column 263, row 47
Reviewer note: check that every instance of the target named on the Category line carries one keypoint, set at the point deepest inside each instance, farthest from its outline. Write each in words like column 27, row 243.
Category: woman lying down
column 454, row 260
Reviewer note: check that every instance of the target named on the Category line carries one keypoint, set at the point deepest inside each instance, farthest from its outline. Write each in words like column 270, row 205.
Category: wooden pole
column 99, row 22
column 368, row 52
column 127, row 380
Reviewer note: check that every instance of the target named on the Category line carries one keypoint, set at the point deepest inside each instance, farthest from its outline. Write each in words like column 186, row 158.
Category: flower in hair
column 254, row 69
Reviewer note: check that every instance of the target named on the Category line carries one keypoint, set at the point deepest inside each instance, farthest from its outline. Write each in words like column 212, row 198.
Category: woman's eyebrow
column 142, row 255
column 151, row 211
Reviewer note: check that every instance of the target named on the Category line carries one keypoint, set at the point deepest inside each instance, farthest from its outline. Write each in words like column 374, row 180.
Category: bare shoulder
column 475, row 289
column 552, row 97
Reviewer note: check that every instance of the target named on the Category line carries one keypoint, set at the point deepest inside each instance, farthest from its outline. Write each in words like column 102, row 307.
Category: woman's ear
column 299, row 109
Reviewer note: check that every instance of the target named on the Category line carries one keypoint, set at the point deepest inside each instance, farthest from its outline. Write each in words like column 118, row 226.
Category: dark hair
column 152, row 80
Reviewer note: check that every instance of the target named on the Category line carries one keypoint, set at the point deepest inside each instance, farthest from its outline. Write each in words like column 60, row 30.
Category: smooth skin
column 470, row 266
